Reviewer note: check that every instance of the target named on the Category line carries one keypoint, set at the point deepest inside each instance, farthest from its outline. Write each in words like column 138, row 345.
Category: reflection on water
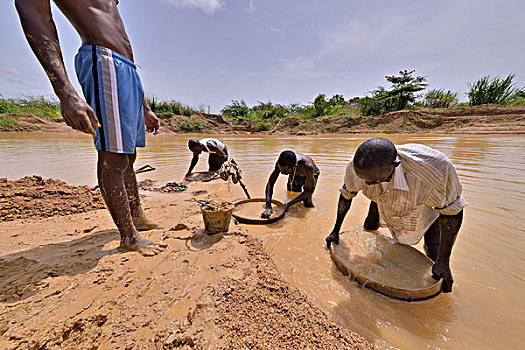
column 486, row 309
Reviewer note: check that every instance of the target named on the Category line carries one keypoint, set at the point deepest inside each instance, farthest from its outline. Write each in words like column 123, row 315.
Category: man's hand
column 332, row 237
column 267, row 213
column 152, row 122
column 442, row 270
column 78, row 114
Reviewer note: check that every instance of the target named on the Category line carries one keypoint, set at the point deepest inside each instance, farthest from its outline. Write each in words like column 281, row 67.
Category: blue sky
column 212, row 51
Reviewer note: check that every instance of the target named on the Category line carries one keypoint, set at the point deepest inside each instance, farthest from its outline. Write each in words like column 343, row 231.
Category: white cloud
column 251, row 6
column 220, row 70
column 208, row 6
column 273, row 29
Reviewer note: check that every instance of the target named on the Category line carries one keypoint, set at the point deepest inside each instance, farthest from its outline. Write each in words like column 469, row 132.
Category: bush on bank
column 406, row 90
column 40, row 106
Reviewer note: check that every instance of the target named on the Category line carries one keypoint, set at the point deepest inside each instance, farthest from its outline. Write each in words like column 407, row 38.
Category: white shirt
column 209, row 142
column 423, row 186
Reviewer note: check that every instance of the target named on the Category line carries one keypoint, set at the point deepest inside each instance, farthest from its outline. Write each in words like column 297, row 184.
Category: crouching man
column 416, row 191
column 218, row 153
column 303, row 175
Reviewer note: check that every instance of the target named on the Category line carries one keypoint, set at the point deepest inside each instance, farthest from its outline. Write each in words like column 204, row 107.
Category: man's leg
column 111, row 169
column 431, row 243
column 137, row 214
column 214, row 162
column 308, row 202
column 372, row 219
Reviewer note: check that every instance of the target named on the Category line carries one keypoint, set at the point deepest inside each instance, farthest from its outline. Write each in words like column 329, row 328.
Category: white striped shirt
column 209, row 142
column 423, row 186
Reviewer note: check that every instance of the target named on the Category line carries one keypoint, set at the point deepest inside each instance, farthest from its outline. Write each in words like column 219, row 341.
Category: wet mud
column 65, row 285
column 35, row 197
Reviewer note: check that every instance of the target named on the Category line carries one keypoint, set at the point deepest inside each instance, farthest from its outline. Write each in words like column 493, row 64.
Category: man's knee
column 116, row 162
column 431, row 250
column 131, row 158
column 308, row 202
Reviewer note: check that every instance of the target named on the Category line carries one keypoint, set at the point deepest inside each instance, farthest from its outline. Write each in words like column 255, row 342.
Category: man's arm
column 220, row 153
column 342, row 208
column 40, row 31
column 194, row 161
column 308, row 189
column 269, row 192
column 449, row 226
column 152, row 122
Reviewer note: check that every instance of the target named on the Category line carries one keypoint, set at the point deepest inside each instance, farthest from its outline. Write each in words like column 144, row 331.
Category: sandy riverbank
column 484, row 119
column 64, row 285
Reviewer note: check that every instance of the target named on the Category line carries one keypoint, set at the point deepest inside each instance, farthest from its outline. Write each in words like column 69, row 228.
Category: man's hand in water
column 78, row 114
column 267, row 213
column 152, row 122
column 332, row 237
column 442, row 270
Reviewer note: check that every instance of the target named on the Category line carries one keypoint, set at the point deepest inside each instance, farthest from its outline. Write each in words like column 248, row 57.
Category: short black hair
column 287, row 158
column 193, row 142
column 375, row 152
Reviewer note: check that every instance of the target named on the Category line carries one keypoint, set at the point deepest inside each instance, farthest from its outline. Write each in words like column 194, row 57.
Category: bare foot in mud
column 141, row 245
column 143, row 224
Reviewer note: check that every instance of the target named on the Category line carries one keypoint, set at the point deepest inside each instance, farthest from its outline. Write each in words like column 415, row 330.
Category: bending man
column 417, row 192
column 217, row 150
column 115, row 112
column 302, row 177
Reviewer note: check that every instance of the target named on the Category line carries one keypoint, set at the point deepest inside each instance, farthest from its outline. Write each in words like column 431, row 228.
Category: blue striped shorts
column 112, row 87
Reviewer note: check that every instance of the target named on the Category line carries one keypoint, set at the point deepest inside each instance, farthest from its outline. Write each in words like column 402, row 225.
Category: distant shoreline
column 484, row 119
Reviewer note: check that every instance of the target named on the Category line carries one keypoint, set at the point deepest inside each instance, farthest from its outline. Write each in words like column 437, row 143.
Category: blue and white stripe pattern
column 424, row 185
column 113, row 89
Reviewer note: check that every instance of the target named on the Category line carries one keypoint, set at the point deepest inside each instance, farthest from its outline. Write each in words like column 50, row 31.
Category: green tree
column 237, row 109
column 320, row 105
column 401, row 95
column 268, row 110
column 334, row 105
column 403, row 89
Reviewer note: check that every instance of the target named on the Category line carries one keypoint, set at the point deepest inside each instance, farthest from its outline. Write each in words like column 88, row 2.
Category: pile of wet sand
column 68, row 288
column 35, row 197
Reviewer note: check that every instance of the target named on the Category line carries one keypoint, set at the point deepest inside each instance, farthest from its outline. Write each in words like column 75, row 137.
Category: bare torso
column 304, row 162
column 98, row 22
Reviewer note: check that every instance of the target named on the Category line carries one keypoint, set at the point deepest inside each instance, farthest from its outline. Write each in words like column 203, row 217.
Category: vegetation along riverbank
column 494, row 106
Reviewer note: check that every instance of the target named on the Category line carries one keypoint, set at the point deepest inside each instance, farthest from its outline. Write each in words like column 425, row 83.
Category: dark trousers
column 215, row 161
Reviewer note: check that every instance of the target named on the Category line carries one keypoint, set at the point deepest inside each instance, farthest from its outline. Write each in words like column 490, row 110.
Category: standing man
column 302, row 177
column 217, row 150
column 415, row 189
column 115, row 113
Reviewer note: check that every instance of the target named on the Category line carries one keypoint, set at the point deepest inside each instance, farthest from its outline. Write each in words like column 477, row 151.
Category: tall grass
column 168, row 107
column 40, row 106
column 440, row 98
column 496, row 90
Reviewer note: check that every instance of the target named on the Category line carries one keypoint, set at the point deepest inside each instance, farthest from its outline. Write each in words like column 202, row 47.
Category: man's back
column 304, row 163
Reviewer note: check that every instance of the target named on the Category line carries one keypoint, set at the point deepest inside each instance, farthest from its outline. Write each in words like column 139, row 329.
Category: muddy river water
column 486, row 309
